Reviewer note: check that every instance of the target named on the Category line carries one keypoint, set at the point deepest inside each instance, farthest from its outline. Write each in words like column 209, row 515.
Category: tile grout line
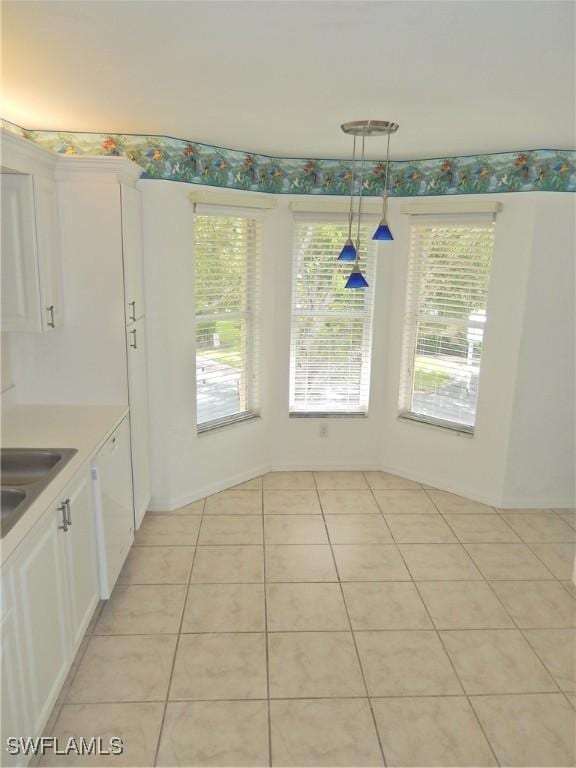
column 441, row 641
column 518, row 628
column 519, row 540
column 265, row 587
column 59, row 704
column 322, row 698
column 167, row 698
column 360, row 631
column 93, row 623
column 507, row 612
column 342, row 595
column 526, row 640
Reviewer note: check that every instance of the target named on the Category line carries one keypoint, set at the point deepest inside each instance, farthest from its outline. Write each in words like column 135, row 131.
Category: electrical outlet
column 323, row 432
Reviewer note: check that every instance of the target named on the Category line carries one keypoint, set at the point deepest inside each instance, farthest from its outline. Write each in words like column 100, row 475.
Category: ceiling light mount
column 369, row 127
column 351, row 250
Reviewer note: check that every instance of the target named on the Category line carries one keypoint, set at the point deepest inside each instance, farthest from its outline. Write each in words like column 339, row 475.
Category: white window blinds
column 331, row 325
column 227, row 267
column 447, row 292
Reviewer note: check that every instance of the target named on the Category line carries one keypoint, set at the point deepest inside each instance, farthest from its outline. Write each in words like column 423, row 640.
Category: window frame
column 369, row 221
column 251, row 315
column 412, row 319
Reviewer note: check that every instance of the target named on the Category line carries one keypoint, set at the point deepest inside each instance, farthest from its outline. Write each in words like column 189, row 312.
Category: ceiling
column 279, row 77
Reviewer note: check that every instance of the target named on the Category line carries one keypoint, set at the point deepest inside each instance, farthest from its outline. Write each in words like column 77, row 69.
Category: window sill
column 218, row 424
column 430, row 421
column 326, row 415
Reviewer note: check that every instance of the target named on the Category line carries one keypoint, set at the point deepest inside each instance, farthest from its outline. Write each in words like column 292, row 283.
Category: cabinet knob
column 50, row 310
column 133, row 305
column 134, row 345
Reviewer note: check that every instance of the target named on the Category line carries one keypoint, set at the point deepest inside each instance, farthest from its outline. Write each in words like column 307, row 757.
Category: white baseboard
column 159, row 504
column 483, row 498
column 531, row 503
column 349, row 466
column 460, row 490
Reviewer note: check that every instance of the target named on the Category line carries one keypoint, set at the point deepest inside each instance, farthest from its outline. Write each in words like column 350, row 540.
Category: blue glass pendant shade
column 382, row 232
column 356, row 279
column 348, row 253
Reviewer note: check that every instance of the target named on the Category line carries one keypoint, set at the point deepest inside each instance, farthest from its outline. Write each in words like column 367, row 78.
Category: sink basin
column 23, row 467
column 13, row 505
column 25, row 473
column 11, row 498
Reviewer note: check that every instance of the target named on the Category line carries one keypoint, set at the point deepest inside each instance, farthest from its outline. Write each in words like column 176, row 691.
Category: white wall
column 541, row 466
column 473, row 466
column 296, row 442
column 186, row 466
column 491, row 466
column 6, row 363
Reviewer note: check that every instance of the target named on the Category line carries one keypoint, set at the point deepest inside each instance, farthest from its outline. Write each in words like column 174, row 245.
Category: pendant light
column 383, row 230
column 348, row 252
column 351, row 250
column 356, row 279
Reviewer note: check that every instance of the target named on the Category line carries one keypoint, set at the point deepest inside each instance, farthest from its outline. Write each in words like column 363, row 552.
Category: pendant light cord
column 385, row 198
column 360, row 202
column 351, row 212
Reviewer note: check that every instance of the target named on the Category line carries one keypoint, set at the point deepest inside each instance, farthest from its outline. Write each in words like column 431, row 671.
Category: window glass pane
column 455, row 267
column 220, row 370
column 446, row 372
column 331, row 324
column 227, row 293
column 328, row 364
column 222, row 248
column 447, row 294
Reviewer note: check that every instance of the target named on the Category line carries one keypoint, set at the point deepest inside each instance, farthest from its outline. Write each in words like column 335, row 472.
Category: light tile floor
column 334, row 619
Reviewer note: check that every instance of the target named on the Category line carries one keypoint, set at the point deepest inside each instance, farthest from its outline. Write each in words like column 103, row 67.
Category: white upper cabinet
column 132, row 253
column 32, row 295
column 49, row 256
column 21, row 305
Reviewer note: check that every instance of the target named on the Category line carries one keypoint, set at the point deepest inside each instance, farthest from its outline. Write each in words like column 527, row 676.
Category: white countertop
column 84, row 427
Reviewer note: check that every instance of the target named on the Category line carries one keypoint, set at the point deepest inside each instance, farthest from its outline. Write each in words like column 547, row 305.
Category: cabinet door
column 49, row 261
column 139, row 427
column 41, row 596
column 21, row 302
column 79, row 544
column 15, row 714
column 132, row 253
column 114, row 506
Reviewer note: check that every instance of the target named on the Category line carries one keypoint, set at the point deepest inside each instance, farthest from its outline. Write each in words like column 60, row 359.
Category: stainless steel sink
column 11, row 498
column 25, row 472
column 26, row 467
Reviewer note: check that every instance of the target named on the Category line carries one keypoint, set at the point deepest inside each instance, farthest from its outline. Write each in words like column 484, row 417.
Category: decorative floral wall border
column 163, row 157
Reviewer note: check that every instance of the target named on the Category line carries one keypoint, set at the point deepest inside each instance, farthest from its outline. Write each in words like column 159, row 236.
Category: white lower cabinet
column 114, row 506
column 139, row 412
column 38, row 607
column 49, row 591
column 79, row 543
column 15, row 709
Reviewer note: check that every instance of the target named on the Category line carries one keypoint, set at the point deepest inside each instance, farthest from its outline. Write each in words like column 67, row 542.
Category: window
column 447, row 290
column 227, row 251
column 331, row 324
